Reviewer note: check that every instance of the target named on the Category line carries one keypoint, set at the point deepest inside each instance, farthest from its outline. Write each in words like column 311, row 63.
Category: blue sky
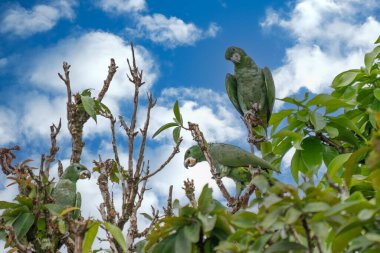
column 180, row 45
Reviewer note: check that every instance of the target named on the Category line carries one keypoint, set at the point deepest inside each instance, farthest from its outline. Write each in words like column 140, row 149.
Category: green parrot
column 65, row 191
column 250, row 88
column 229, row 161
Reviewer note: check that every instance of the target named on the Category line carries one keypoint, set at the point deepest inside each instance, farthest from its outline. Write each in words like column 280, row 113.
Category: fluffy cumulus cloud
column 171, row 31
column 3, row 62
column 331, row 36
column 23, row 22
column 121, row 6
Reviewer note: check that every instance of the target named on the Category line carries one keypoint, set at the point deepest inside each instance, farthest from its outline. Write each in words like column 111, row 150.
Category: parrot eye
column 78, row 168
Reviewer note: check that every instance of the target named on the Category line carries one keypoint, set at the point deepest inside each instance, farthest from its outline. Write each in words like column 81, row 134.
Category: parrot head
column 234, row 54
column 76, row 171
column 192, row 156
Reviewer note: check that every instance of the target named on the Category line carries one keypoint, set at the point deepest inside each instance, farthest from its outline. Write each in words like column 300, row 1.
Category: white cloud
column 171, row 31
column 8, row 133
column 23, row 22
column 121, row 6
column 331, row 36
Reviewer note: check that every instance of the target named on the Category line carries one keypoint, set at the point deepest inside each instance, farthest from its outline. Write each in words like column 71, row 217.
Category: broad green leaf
column 89, row 106
column 376, row 93
column 86, row 92
column 205, row 201
column 284, row 246
column 117, row 234
column 5, row 205
column 340, row 242
column 260, row 243
column 373, row 237
column 345, row 78
column 208, row 222
column 89, row 237
column 22, row 224
column 166, row 245
column 330, row 103
column 244, row 219
column 332, row 131
column 318, row 121
column 182, row 242
column 336, row 164
column 353, row 162
column 369, row 58
column 192, row 231
column 296, row 137
column 62, row 226
column 176, row 133
column 177, row 113
column 276, row 118
column 297, row 165
column 366, row 214
column 312, row 153
column 164, row 127
column 292, row 215
column 261, row 182
column 378, row 40
column 329, row 153
column 345, row 122
column 314, row 207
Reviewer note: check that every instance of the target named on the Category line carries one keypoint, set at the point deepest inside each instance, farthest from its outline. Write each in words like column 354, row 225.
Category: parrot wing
column 232, row 156
column 78, row 203
column 231, row 88
column 271, row 90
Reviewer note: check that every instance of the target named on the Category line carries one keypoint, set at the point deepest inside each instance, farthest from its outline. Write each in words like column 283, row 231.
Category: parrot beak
column 235, row 58
column 85, row 174
column 190, row 162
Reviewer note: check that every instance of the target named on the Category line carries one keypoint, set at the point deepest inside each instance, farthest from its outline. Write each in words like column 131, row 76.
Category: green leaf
column 89, row 106
column 297, row 165
column 332, row 131
column 117, row 235
column 340, row 242
column 373, row 237
column 67, row 210
column 369, row 58
column 208, row 222
column 284, row 246
column 182, row 243
column 5, row 205
column 331, row 103
column 366, row 214
column 336, row 164
column 22, row 224
column 276, row 118
column 314, row 207
column 292, row 215
column 329, row 153
column 296, row 137
column 176, row 133
column 244, row 219
column 164, row 127
column 192, row 232
column 177, row 113
column 86, row 92
column 89, row 237
column 147, row 216
column 353, row 162
column 345, row 78
column 318, row 121
column 312, row 153
column 376, row 93
column 261, row 182
column 377, row 41
column 205, row 201
column 61, row 226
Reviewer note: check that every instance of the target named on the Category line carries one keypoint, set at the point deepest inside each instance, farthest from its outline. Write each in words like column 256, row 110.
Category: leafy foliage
column 334, row 205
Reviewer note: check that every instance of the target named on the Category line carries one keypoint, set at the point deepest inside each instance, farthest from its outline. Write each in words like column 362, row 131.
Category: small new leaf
column 176, row 133
column 89, row 106
column 177, row 113
column 164, row 127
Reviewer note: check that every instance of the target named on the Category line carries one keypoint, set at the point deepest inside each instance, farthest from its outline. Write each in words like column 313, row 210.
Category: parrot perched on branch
column 65, row 191
column 251, row 89
column 229, row 161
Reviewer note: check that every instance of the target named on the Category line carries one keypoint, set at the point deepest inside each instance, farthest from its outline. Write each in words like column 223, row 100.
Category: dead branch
column 6, row 157
column 54, row 130
column 168, row 210
column 199, row 138
column 167, row 161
